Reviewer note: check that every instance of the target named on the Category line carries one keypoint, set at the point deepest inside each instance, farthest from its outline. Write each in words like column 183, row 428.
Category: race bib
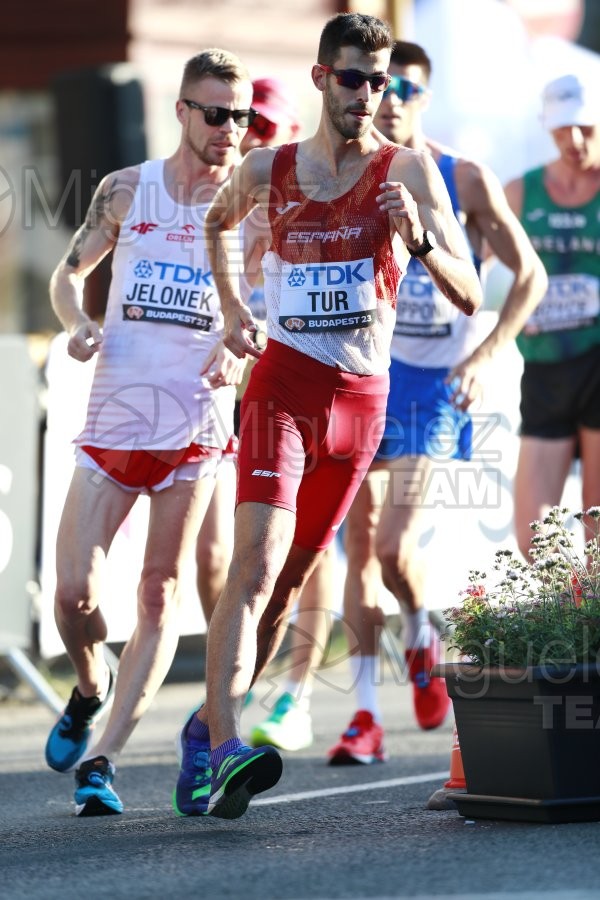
column 327, row 296
column 422, row 311
column 572, row 301
column 170, row 293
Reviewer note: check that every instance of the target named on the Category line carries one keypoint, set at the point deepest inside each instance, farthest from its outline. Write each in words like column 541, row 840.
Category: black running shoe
column 241, row 775
column 70, row 737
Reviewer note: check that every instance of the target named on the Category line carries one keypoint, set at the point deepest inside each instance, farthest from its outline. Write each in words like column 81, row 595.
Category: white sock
column 104, row 692
column 417, row 630
column 365, row 679
column 301, row 691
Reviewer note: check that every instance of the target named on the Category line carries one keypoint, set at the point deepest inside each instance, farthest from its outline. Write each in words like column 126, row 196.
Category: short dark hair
column 367, row 33
column 213, row 63
column 405, row 53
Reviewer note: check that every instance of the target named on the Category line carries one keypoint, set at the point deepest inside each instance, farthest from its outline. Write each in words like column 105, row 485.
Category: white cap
column 568, row 101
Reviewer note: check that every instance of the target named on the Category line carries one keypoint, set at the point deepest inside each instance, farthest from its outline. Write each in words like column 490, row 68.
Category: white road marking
column 352, row 788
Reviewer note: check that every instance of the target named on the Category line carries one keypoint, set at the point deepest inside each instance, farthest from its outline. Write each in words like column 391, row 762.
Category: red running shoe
column 430, row 698
column 362, row 742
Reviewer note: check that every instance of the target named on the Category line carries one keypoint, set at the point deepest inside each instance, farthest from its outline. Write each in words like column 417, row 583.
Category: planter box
column 529, row 739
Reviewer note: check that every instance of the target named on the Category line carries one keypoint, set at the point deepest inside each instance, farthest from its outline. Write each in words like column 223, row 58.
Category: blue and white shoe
column 192, row 791
column 288, row 727
column 70, row 737
column 94, row 794
column 241, row 775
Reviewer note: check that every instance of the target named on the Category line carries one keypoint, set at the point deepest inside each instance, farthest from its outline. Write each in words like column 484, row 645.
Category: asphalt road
column 322, row 832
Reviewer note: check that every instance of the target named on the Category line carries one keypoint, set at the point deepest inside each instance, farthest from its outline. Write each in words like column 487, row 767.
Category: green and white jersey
column 567, row 239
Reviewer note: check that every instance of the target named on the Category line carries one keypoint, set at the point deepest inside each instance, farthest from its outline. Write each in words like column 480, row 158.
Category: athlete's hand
column 397, row 200
column 465, row 385
column 223, row 367
column 84, row 340
column 240, row 331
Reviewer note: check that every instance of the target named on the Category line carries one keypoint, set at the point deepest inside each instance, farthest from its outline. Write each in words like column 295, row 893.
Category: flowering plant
column 546, row 612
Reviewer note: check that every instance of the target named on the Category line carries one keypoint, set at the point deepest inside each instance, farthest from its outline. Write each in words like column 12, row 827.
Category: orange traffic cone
column 457, row 773
column 440, row 799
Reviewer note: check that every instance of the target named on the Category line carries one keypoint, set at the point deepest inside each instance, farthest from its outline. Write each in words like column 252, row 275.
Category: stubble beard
column 348, row 130
column 205, row 156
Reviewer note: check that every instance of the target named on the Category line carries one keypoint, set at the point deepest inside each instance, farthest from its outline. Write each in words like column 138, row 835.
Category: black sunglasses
column 405, row 89
column 354, row 78
column 218, row 115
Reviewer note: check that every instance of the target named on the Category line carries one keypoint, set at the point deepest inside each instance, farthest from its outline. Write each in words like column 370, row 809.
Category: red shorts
column 138, row 469
column 308, row 434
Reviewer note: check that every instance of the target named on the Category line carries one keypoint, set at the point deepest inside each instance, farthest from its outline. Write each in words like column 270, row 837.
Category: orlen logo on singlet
column 186, row 238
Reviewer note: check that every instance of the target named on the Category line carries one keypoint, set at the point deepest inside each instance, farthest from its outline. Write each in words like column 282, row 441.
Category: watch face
column 260, row 339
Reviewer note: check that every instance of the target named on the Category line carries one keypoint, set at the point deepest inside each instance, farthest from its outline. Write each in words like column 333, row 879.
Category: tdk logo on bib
column 167, row 271
column 326, row 275
column 143, row 269
column 328, row 296
column 297, row 278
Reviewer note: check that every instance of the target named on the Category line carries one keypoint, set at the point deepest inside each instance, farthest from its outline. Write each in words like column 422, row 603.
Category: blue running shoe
column 241, row 775
column 192, row 791
column 94, row 795
column 70, row 737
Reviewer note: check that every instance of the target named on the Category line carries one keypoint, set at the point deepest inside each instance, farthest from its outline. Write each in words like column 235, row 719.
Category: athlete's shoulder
column 407, row 159
column 114, row 194
column 259, row 161
column 417, row 170
column 125, row 179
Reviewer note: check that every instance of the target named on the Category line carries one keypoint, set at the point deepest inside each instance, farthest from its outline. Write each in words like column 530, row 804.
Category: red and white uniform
column 331, row 279
column 162, row 319
column 314, row 410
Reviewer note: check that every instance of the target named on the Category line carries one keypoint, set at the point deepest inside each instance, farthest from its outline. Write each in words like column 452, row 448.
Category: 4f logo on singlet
column 328, row 296
column 144, row 227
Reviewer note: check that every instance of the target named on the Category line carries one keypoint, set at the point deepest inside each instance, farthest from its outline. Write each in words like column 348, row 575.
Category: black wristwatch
column 429, row 244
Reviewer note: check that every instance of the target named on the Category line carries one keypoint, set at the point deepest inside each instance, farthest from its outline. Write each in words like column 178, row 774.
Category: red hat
column 273, row 100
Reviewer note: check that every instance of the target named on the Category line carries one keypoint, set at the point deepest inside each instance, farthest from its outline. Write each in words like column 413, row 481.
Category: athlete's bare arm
column 417, row 200
column 514, row 195
column 489, row 214
column 249, row 186
column 256, row 240
column 90, row 244
column 493, row 228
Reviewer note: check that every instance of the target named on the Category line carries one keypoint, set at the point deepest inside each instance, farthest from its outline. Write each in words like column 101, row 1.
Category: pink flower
column 476, row 590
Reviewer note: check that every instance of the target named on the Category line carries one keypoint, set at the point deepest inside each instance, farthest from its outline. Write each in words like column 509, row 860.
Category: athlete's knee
column 395, row 556
column 252, row 577
column 157, row 596
column 74, row 596
column 212, row 559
